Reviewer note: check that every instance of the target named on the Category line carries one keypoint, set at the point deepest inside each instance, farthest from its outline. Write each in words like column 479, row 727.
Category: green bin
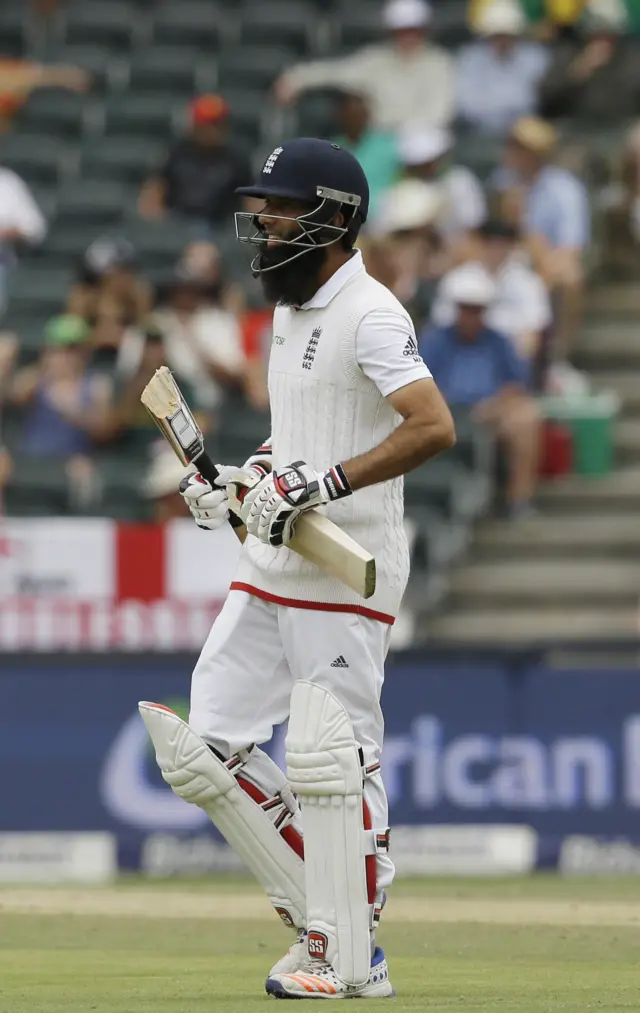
column 591, row 418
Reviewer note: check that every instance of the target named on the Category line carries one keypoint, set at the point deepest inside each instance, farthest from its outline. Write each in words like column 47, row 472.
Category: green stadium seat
column 66, row 243
column 246, row 111
column 449, row 488
column 480, row 152
column 27, row 321
column 128, row 159
column 54, row 111
column 252, row 66
column 97, row 201
column 141, row 115
column 97, row 60
column 37, row 158
column 450, row 23
column 37, row 487
column 357, row 25
column 13, row 29
column 159, row 68
column 40, row 291
column 185, row 23
column 103, row 22
column 158, row 245
column 283, row 22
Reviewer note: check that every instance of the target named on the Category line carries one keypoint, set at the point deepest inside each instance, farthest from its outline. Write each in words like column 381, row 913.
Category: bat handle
column 208, row 470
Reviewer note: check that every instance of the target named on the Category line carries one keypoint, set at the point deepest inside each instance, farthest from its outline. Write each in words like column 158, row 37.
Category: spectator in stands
column 478, row 369
column 405, row 250
column 426, row 154
column 65, row 404
column 407, row 76
column 108, row 287
column 498, row 76
column 200, row 175
column 375, row 149
column 19, row 78
column 595, row 81
column 21, row 224
column 201, row 341
column 8, row 354
column 552, row 207
column 521, row 307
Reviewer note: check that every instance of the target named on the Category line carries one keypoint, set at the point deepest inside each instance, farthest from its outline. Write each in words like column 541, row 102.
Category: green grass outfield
column 523, row 946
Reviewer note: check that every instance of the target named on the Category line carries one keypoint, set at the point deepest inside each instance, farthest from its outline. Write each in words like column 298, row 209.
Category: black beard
column 294, row 281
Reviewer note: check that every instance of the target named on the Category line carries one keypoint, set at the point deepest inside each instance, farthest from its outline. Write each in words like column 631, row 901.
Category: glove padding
column 272, row 507
column 209, row 506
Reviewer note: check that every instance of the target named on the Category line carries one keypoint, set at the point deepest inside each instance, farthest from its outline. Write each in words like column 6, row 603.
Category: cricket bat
column 316, row 538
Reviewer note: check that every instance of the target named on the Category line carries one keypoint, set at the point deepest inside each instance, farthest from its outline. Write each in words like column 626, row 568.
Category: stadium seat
column 314, row 114
column 54, row 111
column 141, row 115
column 357, row 25
column 37, row 488
column 97, row 201
column 28, row 322
column 282, row 22
column 160, row 68
column 66, row 243
column 252, row 66
column 158, row 245
column 97, row 60
column 241, row 429
column 447, row 487
column 185, row 23
column 450, row 23
column 13, row 30
column 41, row 292
column 246, row 111
column 480, row 152
column 36, row 158
column 128, row 158
column 103, row 22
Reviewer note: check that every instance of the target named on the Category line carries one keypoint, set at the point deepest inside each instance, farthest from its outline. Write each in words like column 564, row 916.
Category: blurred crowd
column 491, row 265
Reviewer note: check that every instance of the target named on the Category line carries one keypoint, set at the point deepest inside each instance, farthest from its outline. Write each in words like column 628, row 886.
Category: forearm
column 410, row 445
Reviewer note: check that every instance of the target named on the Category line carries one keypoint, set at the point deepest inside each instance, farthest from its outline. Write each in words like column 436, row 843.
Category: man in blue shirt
column 478, row 369
column 552, row 207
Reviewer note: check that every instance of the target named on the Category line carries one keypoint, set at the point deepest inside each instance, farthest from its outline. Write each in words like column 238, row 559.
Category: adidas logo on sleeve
column 411, row 350
column 340, row 662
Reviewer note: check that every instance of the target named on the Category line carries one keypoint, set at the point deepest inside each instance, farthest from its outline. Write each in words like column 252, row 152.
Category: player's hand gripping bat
column 316, row 538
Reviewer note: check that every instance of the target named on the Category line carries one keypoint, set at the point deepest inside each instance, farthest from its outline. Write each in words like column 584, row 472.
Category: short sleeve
column 573, row 223
column 387, row 350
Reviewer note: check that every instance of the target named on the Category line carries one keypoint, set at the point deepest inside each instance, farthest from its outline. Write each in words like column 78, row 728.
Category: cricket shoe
column 316, row 979
column 296, row 956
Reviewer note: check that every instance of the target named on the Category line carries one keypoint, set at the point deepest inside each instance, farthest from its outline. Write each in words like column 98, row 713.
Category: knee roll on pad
column 257, row 827
column 324, row 767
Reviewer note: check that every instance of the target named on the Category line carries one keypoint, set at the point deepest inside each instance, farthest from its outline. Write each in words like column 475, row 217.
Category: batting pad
column 234, row 806
column 325, row 770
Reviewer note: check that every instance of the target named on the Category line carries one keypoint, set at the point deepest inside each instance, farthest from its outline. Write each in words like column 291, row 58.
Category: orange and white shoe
column 316, row 979
column 294, row 958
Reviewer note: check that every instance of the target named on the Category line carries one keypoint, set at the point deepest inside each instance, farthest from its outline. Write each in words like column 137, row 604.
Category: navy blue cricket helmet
column 315, row 172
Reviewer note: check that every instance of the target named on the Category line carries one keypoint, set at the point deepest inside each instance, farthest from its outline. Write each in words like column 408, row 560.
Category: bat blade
column 164, row 401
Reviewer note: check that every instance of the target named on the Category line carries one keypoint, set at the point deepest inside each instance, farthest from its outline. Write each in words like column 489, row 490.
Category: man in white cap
column 497, row 77
column 479, row 371
column 425, row 153
column 407, row 77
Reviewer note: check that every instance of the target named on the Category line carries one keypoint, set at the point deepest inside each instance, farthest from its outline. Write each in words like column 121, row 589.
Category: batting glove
column 209, row 505
column 272, row 507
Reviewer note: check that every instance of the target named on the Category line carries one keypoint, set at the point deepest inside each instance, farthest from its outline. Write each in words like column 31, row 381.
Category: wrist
column 335, row 483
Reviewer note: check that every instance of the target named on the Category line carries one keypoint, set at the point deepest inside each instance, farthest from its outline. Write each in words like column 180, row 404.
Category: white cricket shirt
column 333, row 363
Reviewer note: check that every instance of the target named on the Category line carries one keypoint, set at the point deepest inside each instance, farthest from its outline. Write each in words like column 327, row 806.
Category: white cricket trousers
column 255, row 652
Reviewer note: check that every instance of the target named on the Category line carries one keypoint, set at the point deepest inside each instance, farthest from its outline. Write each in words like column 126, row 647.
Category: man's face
column 408, row 40
column 495, row 250
column 292, row 281
column 353, row 115
column 209, row 135
column 502, row 44
column 521, row 160
column 470, row 320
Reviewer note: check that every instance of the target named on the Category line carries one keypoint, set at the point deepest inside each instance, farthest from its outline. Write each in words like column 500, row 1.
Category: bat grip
column 208, row 470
